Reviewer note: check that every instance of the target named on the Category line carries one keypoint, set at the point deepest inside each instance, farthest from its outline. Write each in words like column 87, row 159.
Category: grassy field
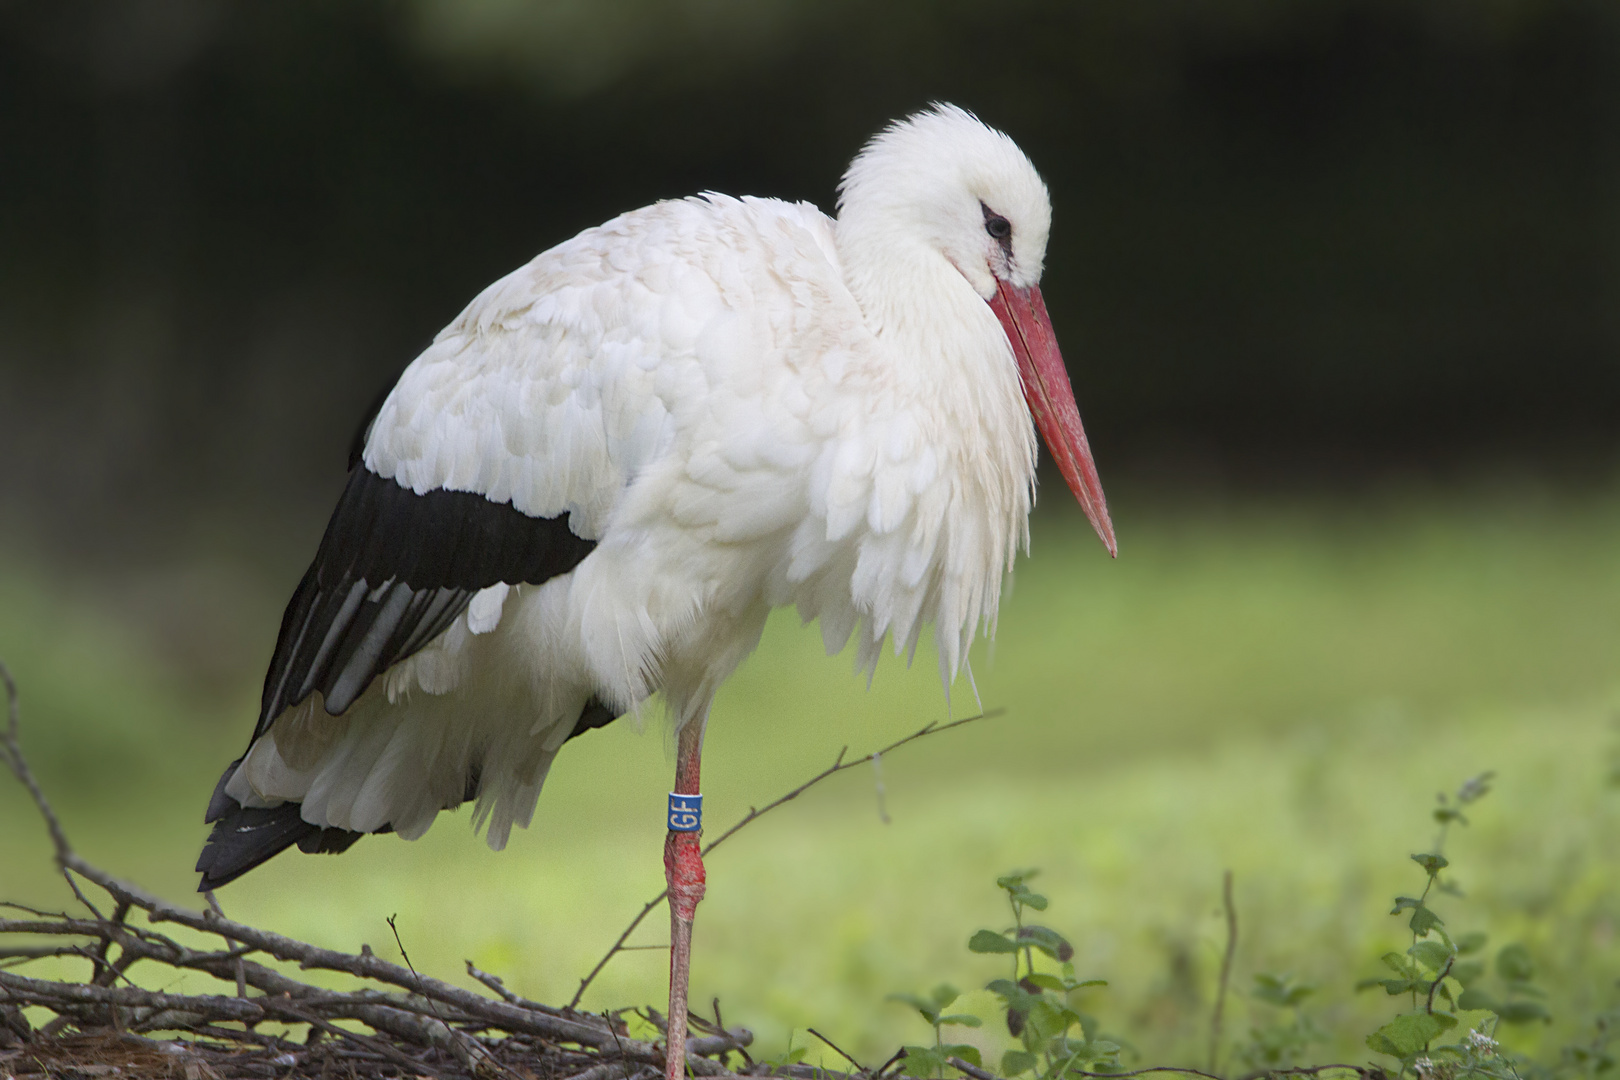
column 1278, row 688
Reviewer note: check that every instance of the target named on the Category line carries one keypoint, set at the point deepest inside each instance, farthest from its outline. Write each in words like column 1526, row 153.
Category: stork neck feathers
column 911, row 223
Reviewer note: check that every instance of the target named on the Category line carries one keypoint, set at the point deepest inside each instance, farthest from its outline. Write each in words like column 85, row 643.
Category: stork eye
column 998, row 227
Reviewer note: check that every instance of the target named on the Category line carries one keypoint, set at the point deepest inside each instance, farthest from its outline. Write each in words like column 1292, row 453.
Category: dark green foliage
column 1284, row 1041
column 933, row 1060
column 1057, row 1040
column 1455, row 999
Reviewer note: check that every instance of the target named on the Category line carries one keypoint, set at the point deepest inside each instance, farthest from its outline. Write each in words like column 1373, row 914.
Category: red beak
column 1051, row 400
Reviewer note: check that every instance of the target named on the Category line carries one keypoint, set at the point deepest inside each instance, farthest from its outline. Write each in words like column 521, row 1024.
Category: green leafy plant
column 1457, row 997
column 1056, row 1038
column 933, row 1060
column 792, row 1055
column 1442, row 974
column 1284, row 1042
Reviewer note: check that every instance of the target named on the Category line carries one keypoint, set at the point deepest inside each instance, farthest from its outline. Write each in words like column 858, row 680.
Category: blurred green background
column 1339, row 283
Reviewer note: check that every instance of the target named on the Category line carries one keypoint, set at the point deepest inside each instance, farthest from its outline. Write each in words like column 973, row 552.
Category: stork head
column 943, row 181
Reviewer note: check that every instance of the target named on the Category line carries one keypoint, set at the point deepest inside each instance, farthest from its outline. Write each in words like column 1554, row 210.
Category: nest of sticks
column 390, row 1021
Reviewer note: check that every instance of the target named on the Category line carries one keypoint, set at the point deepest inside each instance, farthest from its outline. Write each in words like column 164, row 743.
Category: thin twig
column 407, row 958
column 18, row 765
column 877, row 781
column 468, row 1051
column 1438, row 979
column 376, row 1046
column 755, row 813
column 898, row 1056
column 494, row 982
column 11, row 744
column 608, row 1019
column 1226, row 970
column 213, row 903
column 840, row 1051
column 971, row 1069
column 109, row 974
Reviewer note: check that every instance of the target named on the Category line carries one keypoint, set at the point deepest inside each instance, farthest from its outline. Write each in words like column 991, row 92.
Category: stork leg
column 683, row 870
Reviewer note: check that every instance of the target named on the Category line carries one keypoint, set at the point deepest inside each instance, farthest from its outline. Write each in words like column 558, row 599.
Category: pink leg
column 683, row 869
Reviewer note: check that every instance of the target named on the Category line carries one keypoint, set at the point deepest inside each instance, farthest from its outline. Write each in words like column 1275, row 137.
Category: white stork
column 596, row 482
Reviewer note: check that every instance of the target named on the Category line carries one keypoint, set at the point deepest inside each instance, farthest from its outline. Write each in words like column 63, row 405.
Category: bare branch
column 839, row 1050
column 11, row 753
column 1226, row 970
column 966, row 1067
column 755, row 813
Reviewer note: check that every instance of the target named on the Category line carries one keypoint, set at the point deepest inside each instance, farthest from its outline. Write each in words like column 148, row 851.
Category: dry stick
column 899, row 1056
column 494, row 982
column 1438, row 979
column 109, row 974
column 376, row 1046
column 412, row 1020
column 1226, row 969
column 11, row 745
column 497, row 1014
column 969, row 1068
column 468, row 1051
column 366, row 966
column 840, row 1051
column 213, row 904
column 839, row 765
column 497, row 984
column 19, row 766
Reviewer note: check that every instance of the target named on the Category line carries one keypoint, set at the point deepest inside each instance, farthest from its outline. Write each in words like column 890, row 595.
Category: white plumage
column 745, row 404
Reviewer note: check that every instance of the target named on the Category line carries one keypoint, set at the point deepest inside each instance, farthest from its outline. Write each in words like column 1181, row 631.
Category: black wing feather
column 394, row 570
column 245, row 837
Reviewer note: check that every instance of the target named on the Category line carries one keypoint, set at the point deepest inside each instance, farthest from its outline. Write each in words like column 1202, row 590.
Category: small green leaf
column 1049, row 941
column 1014, row 1062
column 969, row 1054
column 1513, row 963
column 1091, row 982
column 1467, row 971
column 1476, row 999
column 1404, row 902
column 1409, row 1034
column 1432, row 863
column 927, row 1008
column 1013, row 880
column 962, row 1020
column 1399, row 964
column 1423, row 920
column 1047, row 1019
column 943, row 994
column 988, row 941
column 1471, row 942
column 1432, row 954
column 1049, row 982
column 1022, row 894
column 923, row 1060
column 792, row 1056
column 1393, row 987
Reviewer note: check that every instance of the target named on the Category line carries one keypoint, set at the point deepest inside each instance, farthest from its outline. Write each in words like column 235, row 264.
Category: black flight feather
column 394, row 570
column 244, row 837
